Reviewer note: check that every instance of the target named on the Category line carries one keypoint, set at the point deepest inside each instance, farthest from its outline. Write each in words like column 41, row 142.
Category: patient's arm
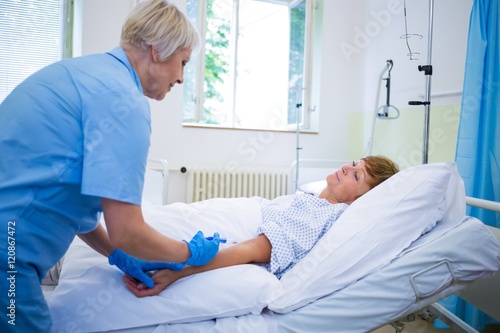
column 255, row 250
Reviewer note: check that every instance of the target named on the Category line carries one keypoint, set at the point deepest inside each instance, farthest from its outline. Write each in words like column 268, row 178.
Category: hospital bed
column 395, row 251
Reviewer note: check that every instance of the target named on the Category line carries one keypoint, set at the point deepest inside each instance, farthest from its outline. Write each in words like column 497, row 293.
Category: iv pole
column 298, row 148
column 427, row 69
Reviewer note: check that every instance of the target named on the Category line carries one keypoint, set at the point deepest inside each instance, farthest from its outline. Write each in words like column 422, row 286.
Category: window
column 254, row 72
column 34, row 35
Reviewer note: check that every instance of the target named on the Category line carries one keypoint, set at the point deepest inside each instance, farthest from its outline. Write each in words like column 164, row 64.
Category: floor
column 417, row 326
column 422, row 326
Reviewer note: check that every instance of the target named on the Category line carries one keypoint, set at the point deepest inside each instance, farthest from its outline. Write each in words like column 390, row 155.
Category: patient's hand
column 162, row 279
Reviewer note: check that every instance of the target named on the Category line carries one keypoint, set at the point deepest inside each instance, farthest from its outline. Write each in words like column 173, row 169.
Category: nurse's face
column 163, row 75
column 347, row 184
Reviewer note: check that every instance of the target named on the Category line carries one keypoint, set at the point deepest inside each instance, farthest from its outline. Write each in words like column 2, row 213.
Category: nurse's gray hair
column 160, row 24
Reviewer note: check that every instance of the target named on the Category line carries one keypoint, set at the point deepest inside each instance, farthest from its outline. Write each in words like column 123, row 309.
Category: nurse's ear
column 154, row 54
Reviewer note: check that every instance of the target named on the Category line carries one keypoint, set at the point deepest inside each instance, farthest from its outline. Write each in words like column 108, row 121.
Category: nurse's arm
column 128, row 231
column 98, row 240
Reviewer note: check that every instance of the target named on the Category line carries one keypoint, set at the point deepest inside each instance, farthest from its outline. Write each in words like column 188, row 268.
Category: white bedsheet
column 263, row 323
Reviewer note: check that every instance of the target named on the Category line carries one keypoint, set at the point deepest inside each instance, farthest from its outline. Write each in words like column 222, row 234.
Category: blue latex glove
column 202, row 249
column 137, row 268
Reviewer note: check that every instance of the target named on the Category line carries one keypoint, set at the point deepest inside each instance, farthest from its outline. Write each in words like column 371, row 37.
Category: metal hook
column 383, row 111
column 407, row 36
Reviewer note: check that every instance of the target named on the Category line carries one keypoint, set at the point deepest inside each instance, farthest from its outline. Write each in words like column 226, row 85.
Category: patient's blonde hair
column 379, row 168
column 160, row 24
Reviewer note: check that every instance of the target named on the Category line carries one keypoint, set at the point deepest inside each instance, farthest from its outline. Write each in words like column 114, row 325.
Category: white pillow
column 374, row 230
column 454, row 211
column 313, row 187
column 92, row 297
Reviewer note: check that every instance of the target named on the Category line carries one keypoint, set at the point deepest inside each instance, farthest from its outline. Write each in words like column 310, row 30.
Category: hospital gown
column 294, row 224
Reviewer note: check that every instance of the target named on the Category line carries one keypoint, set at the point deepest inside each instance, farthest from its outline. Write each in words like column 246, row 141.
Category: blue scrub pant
column 27, row 251
column 24, row 307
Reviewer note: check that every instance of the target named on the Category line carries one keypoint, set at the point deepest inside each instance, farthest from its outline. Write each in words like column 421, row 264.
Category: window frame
column 306, row 106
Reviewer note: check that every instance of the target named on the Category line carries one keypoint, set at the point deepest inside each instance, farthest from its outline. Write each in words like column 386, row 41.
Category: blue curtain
column 478, row 144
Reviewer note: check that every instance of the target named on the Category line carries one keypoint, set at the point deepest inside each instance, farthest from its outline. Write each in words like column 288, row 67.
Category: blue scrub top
column 73, row 132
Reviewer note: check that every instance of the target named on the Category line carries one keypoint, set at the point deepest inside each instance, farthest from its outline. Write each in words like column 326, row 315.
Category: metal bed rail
column 472, row 294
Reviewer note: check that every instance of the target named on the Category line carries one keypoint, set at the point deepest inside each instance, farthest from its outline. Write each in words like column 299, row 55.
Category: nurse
column 74, row 140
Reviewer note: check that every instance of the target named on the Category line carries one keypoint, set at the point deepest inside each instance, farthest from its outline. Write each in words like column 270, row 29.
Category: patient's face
column 347, row 184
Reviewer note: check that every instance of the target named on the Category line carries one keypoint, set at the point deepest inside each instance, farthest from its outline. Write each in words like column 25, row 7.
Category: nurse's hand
column 202, row 249
column 137, row 268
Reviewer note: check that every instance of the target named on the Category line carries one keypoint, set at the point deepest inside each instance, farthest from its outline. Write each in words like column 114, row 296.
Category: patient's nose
column 346, row 168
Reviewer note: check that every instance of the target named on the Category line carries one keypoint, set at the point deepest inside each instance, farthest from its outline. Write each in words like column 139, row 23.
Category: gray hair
column 160, row 24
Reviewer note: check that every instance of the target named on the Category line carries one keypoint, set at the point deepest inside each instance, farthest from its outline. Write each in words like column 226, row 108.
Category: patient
column 291, row 225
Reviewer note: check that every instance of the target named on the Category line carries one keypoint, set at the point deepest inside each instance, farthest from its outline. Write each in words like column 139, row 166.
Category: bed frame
column 156, row 181
column 484, row 294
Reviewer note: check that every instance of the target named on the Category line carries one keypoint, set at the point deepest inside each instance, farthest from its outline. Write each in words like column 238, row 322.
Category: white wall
column 347, row 84
column 402, row 139
column 449, row 42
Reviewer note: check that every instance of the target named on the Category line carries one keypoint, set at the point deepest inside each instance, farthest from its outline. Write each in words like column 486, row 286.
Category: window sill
column 219, row 127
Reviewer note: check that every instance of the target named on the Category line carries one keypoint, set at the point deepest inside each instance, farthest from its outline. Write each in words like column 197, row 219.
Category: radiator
column 212, row 182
